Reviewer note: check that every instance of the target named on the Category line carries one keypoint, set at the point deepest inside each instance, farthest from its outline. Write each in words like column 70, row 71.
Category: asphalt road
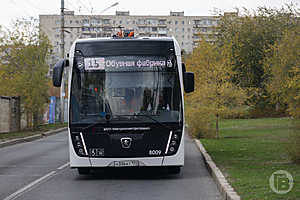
column 38, row 170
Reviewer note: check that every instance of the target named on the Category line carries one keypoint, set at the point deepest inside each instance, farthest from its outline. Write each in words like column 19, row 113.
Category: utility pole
column 62, row 48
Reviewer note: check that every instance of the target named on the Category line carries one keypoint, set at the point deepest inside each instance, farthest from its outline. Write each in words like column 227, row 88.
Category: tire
column 83, row 170
column 174, row 170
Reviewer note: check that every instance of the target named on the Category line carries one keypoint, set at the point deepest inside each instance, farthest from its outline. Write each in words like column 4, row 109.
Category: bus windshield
column 125, row 88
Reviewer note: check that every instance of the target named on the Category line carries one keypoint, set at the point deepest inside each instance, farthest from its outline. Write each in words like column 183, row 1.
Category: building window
column 71, row 21
column 162, row 22
column 85, row 21
column 120, row 21
column 182, row 29
column 176, row 22
column 154, row 29
column 188, row 29
column 85, row 29
column 106, row 21
column 141, row 21
column 182, row 22
column 57, row 22
column 203, row 29
column 77, row 22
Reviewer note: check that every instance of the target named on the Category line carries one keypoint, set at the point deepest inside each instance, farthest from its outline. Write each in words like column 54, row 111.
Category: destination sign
column 126, row 63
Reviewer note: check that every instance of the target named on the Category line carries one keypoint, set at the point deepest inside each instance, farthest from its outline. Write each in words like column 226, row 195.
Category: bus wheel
column 83, row 170
column 174, row 170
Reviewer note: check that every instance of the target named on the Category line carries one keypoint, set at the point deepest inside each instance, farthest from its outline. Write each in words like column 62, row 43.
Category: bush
column 241, row 112
column 199, row 122
column 266, row 111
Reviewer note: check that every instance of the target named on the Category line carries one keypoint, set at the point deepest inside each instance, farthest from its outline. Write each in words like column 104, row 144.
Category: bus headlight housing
column 173, row 143
column 79, row 144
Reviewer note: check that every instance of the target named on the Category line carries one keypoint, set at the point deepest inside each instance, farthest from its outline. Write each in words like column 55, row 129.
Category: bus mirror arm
column 58, row 71
column 189, row 82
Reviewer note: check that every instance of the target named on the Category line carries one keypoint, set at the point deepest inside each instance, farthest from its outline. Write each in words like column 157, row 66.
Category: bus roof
column 109, row 39
column 126, row 46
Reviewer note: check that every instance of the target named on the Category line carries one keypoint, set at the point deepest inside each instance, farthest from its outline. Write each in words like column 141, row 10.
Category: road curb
column 224, row 187
column 31, row 138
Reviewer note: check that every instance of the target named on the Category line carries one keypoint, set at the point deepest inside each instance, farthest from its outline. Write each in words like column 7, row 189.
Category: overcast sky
column 12, row 9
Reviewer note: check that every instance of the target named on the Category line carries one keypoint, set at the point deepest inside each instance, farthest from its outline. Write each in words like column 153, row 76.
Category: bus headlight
column 78, row 144
column 174, row 142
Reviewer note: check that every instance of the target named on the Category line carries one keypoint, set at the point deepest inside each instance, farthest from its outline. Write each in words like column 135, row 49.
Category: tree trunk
column 29, row 120
column 277, row 106
column 217, row 126
column 35, row 120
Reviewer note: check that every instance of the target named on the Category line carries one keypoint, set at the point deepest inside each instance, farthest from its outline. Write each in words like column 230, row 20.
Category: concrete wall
column 4, row 114
column 10, row 114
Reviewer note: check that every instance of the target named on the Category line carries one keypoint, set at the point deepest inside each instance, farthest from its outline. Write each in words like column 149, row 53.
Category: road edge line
column 226, row 190
column 29, row 186
column 35, row 183
column 31, row 138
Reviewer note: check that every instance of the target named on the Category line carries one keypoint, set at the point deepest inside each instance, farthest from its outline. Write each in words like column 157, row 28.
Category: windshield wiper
column 107, row 117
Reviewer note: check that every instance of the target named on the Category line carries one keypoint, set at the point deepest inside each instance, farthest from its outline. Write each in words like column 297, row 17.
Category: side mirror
column 188, row 82
column 183, row 68
column 58, row 72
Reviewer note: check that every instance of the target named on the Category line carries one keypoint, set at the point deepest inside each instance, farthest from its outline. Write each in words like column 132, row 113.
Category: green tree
column 252, row 34
column 24, row 67
column 215, row 91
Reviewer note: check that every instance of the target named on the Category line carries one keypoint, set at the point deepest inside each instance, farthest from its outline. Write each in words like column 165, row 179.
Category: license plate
column 126, row 163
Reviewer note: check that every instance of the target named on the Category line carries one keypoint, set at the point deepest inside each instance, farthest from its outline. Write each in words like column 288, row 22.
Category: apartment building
column 185, row 29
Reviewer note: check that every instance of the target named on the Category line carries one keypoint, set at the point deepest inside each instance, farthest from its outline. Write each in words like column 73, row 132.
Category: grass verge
column 250, row 150
column 26, row 133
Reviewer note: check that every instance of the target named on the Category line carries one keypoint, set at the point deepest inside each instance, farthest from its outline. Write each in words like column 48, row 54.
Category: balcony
column 162, row 32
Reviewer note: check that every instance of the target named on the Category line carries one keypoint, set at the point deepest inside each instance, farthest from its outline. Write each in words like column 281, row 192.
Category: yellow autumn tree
column 282, row 67
column 215, row 94
column 23, row 69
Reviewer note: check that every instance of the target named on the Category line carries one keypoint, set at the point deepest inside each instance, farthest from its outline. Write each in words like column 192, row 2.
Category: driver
column 130, row 99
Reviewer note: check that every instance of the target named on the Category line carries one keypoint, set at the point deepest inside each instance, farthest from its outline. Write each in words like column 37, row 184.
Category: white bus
column 126, row 105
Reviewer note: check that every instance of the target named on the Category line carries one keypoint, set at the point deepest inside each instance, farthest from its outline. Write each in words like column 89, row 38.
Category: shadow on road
column 129, row 173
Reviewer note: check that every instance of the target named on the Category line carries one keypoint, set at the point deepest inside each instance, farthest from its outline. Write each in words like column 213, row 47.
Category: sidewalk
column 31, row 138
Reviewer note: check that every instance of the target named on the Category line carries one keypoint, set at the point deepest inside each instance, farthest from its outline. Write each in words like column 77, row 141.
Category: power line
column 71, row 5
column 91, row 6
column 84, row 6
